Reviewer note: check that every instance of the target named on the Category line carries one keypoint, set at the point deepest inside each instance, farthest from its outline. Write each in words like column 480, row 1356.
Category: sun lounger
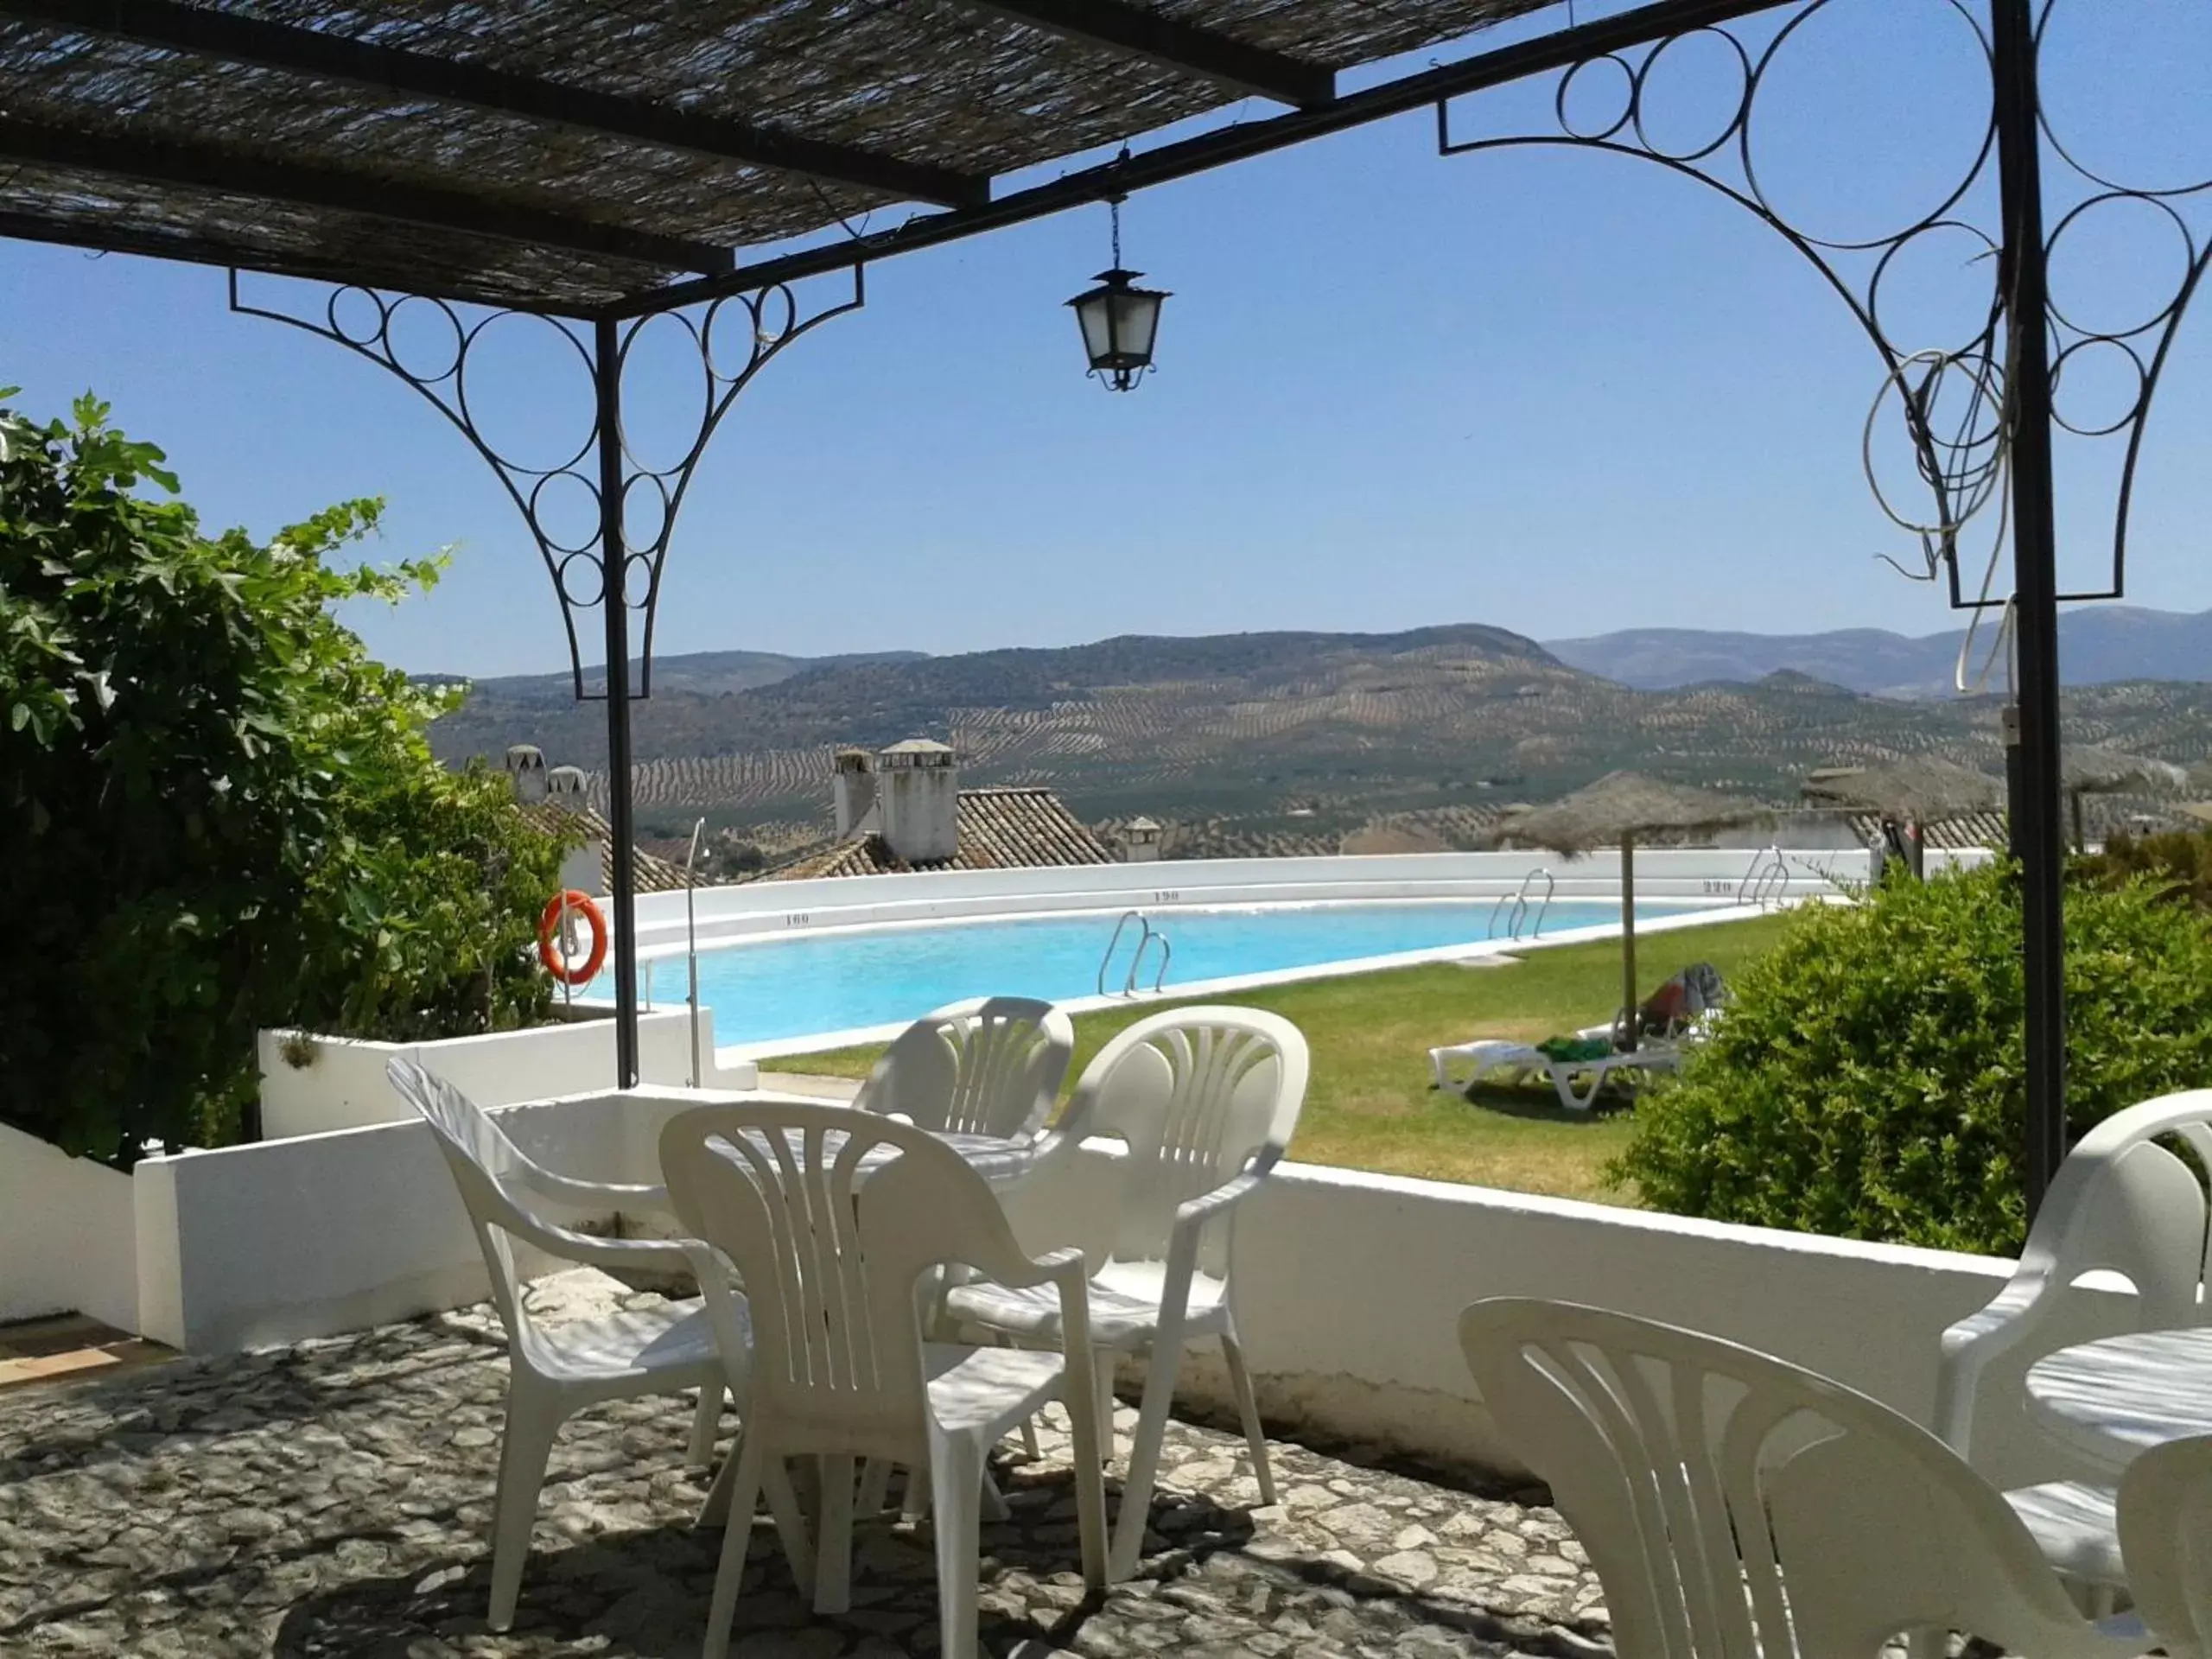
column 1576, row 1081
column 1678, row 1012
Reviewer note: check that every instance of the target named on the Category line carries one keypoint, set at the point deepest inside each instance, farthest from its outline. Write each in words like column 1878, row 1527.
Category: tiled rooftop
column 332, row 1499
column 2102, row 816
column 1000, row 829
column 652, row 873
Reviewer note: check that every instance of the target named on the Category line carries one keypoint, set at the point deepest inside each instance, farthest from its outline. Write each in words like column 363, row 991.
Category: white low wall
column 1350, row 1288
column 1349, row 1284
column 759, row 909
column 343, row 1086
column 285, row 1240
column 65, row 1235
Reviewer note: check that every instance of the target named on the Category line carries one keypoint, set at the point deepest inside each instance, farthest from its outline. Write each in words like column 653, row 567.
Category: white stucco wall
column 1350, row 1288
column 343, row 1086
column 290, row 1239
column 1349, row 1285
column 67, row 1237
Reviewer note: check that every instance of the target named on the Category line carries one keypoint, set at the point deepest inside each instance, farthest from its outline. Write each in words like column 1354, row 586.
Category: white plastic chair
column 834, row 1257
column 2120, row 1203
column 990, row 1066
column 2165, row 1528
column 1736, row 1507
column 555, row 1371
column 986, row 1066
column 1204, row 1100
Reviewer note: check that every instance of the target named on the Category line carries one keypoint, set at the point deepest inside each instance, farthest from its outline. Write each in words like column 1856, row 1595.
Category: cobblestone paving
column 332, row 1499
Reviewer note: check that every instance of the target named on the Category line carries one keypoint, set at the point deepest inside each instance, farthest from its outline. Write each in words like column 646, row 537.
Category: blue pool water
column 790, row 986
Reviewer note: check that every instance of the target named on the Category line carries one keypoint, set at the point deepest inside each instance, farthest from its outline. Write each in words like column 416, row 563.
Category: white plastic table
column 1001, row 1163
column 2112, row 1400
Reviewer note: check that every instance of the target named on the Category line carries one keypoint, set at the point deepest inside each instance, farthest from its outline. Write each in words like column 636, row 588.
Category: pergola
column 595, row 165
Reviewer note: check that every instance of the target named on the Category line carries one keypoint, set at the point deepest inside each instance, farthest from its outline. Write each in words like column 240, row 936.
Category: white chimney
column 1140, row 842
column 918, row 793
column 582, row 867
column 526, row 772
column 854, row 788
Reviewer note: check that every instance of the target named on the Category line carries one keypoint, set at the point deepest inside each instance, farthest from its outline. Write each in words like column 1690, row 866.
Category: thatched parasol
column 2093, row 769
column 1615, row 811
column 1923, row 789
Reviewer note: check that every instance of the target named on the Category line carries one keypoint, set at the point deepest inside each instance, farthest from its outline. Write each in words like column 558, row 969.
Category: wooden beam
column 197, row 166
column 1234, row 65
column 237, row 38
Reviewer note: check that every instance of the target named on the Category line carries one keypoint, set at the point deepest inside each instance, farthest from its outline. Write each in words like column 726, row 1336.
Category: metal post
column 2037, row 836
column 606, row 368
column 691, row 943
column 1628, row 1040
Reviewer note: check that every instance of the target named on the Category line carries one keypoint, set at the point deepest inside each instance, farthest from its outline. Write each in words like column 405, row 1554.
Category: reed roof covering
column 578, row 154
column 2095, row 769
column 1627, row 806
column 1924, row 788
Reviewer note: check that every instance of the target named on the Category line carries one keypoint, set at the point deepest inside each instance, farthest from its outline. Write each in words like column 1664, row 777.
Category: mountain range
column 1315, row 733
column 2097, row 644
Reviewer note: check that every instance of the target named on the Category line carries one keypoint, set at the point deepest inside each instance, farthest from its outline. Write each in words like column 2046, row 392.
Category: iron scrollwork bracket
column 428, row 344
column 2140, row 349
column 1952, row 398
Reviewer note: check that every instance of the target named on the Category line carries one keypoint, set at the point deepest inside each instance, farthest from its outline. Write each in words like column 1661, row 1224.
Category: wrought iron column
column 613, row 565
column 2037, row 836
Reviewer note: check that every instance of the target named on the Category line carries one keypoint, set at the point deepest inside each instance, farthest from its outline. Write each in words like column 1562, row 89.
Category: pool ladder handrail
column 1517, row 916
column 691, row 944
column 1107, row 961
column 1146, row 934
column 1136, row 962
column 1767, row 881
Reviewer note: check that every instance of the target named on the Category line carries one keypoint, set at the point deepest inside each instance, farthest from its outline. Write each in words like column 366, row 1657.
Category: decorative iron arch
column 2156, row 333
column 1962, row 465
column 733, row 338
column 603, row 569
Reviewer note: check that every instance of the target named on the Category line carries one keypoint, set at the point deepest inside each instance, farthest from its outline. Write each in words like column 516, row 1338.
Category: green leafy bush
column 1867, row 1081
column 2177, row 862
column 220, row 813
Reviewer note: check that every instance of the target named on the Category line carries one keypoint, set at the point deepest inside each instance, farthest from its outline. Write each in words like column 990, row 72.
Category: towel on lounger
column 1569, row 1049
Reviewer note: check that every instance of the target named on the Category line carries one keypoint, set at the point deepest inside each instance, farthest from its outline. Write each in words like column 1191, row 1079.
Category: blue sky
column 1553, row 390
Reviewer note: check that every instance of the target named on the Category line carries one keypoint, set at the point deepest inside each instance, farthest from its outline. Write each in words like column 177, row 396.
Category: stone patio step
column 64, row 1347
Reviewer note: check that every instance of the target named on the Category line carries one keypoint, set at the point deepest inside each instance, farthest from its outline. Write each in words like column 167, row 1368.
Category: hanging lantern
column 1119, row 320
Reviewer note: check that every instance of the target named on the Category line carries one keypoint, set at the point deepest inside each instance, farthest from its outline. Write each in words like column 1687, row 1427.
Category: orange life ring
column 549, row 928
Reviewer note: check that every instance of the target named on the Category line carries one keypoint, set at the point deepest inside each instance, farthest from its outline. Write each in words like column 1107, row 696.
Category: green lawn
column 1370, row 1105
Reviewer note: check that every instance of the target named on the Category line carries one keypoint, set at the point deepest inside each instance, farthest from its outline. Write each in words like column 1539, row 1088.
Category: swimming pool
column 791, row 986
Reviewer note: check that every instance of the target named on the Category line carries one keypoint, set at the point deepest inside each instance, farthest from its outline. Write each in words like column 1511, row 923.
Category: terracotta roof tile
column 2102, row 816
column 1000, row 829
